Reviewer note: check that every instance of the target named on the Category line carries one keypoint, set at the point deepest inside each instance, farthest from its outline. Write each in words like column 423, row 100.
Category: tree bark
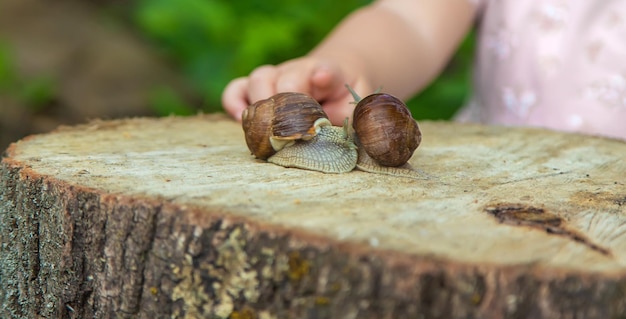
column 172, row 218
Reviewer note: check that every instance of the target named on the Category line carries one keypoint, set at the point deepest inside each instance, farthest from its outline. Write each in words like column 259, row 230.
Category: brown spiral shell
column 271, row 123
column 386, row 129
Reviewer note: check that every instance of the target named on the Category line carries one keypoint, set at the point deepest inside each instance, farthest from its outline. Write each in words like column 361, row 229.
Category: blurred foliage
column 7, row 74
column 215, row 41
column 164, row 101
column 38, row 93
column 35, row 93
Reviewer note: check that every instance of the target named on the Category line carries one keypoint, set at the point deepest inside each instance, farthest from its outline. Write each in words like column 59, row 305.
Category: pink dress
column 554, row 64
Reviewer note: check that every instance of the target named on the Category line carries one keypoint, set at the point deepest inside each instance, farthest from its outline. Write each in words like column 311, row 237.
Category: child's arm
column 398, row 44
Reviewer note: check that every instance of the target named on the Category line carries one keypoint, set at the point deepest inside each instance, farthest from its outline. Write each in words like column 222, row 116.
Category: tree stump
column 173, row 218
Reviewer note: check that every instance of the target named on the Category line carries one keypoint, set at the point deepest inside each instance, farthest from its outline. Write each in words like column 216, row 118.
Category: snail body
column 291, row 130
column 368, row 164
column 332, row 150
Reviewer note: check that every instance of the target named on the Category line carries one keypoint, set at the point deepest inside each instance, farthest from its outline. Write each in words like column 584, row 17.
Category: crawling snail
column 291, row 129
column 386, row 134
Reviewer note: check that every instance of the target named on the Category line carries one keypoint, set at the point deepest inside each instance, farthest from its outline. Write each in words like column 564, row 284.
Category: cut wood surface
column 174, row 218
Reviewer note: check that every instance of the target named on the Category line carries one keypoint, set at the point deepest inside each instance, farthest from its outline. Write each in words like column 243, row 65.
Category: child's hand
column 321, row 79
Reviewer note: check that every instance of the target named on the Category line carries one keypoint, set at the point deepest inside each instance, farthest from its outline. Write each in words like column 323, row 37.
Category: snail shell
column 385, row 129
column 271, row 124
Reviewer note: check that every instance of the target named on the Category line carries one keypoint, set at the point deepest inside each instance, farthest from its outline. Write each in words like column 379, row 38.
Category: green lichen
column 245, row 313
column 298, row 267
column 230, row 276
column 322, row 301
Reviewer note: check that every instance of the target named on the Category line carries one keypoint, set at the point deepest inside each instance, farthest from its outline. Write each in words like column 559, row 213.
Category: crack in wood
column 534, row 177
column 539, row 218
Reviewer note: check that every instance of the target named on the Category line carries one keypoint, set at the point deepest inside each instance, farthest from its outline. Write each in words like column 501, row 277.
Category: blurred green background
column 214, row 41
column 67, row 62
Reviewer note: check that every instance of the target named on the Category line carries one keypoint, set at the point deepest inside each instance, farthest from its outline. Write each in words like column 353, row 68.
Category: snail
column 291, row 129
column 385, row 133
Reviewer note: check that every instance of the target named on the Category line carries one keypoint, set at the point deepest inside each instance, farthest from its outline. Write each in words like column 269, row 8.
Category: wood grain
column 173, row 218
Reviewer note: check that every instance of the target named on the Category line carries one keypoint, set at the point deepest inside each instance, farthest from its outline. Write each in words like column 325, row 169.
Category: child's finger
column 235, row 97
